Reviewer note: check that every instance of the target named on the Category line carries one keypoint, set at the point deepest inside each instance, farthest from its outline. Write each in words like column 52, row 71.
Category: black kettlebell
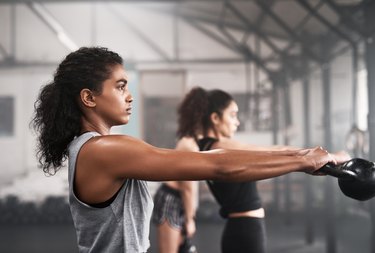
column 356, row 177
column 187, row 246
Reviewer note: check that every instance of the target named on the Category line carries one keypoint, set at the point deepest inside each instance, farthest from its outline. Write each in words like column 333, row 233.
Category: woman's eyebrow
column 122, row 80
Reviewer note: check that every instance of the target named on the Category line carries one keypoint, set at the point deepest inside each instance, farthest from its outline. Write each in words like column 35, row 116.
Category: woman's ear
column 215, row 119
column 87, row 98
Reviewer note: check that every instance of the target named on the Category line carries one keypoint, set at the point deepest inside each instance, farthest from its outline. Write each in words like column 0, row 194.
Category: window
column 6, row 116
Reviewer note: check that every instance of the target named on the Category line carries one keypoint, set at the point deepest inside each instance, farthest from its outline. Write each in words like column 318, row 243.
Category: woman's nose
column 237, row 122
column 129, row 98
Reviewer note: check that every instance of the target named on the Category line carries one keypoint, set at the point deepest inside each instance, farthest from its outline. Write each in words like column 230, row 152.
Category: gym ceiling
column 276, row 35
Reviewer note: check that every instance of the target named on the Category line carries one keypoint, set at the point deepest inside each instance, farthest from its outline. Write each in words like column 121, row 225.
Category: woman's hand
column 317, row 157
column 341, row 156
column 320, row 157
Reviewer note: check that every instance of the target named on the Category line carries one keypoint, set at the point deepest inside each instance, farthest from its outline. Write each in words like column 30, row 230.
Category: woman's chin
column 122, row 122
column 126, row 120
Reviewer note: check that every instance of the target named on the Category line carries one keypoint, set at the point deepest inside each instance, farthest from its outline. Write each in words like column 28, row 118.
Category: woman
column 175, row 207
column 109, row 201
column 175, row 201
column 240, row 204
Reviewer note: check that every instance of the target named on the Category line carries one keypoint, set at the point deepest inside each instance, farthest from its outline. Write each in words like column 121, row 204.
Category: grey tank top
column 121, row 227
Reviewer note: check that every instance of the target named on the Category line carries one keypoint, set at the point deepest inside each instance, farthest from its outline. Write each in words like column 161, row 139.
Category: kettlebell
column 187, row 246
column 356, row 177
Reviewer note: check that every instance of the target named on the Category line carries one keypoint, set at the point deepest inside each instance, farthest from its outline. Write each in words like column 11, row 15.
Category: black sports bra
column 231, row 196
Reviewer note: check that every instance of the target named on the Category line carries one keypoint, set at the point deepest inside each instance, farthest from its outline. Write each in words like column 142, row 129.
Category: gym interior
column 301, row 71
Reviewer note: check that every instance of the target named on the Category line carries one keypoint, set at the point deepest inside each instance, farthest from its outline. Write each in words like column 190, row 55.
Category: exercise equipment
column 356, row 177
column 187, row 246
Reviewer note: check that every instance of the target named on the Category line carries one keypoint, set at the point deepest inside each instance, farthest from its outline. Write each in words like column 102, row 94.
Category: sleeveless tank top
column 123, row 226
column 231, row 196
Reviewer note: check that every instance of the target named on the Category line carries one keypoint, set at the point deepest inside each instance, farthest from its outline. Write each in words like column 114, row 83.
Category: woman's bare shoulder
column 227, row 143
column 187, row 144
column 112, row 140
column 108, row 146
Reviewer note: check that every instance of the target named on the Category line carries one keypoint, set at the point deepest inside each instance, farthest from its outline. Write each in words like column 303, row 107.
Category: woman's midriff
column 257, row 213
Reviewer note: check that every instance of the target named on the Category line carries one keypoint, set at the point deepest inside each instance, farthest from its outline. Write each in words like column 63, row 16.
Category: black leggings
column 244, row 235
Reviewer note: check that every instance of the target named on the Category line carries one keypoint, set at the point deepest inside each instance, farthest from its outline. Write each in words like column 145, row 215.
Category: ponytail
column 192, row 112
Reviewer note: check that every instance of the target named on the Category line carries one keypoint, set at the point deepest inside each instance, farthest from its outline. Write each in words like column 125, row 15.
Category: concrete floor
column 353, row 236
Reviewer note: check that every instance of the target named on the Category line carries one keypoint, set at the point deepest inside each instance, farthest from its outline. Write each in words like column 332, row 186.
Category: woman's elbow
column 223, row 173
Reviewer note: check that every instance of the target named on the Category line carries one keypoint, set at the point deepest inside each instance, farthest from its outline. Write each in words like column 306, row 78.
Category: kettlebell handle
column 337, row 171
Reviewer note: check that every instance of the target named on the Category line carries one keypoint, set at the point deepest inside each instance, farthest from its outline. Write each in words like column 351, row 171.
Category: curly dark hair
column 57, row 115
column 196, row 108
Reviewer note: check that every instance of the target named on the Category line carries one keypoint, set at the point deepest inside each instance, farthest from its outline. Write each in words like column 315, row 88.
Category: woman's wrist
column 190, row 219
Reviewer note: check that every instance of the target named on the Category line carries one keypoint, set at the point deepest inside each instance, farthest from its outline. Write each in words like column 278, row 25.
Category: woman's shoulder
column 116, row 155
column 187, row 144
column 106, row 146
column 113, row 139
column 228, row 143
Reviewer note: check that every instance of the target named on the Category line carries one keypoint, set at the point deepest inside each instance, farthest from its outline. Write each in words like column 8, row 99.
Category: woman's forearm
column 188, row 191
column 261, row 166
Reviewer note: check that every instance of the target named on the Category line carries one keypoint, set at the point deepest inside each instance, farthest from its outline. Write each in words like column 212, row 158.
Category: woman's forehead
column 232, row 106
column 118, row 72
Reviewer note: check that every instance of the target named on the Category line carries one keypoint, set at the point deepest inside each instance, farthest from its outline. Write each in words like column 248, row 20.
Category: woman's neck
column 213, row 134
column 89, row 126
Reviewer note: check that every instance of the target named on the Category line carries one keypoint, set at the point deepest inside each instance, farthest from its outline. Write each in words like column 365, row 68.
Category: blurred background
column 301, row 71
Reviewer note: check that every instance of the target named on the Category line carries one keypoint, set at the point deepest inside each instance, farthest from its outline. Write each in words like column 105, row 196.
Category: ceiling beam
column 248, row 54
column 298, row 28
column 264, row 6
column 146, row 39
column 324, row 21
column 41, row 12
column 250, row 27
column 209, row 20
column 346, row 18
column 213, row 36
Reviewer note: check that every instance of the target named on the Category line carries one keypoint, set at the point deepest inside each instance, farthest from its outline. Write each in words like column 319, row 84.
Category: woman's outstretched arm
column 226, row 143
column 127, row 157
